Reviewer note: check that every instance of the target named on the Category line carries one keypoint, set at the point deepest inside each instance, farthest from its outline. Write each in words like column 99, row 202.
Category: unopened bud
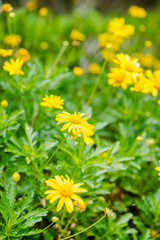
column 75, row 43
column 16, row 177
column 65, row 43
column 55, row 219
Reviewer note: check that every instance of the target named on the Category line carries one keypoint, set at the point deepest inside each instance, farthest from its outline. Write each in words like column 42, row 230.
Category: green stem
column 96, row 83
column 66, row 226
column 62, row 50
column 84, row 229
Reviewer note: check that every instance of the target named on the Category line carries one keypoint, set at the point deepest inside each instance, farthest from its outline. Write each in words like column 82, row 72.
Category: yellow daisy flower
column 137, row 12
column 65, row 189
column 13, row 67
column 118, row 77
column 118, row 27
column 52, row 101
column 13, row 40
column 94, row 68
column 77, row 35
column 31, row 5
column 74, row 122
column 23, row 54
column 154, row 78
column 6, row 7
column 43, row 12
column 78, row 71
column 6, row 53
column 130, row 65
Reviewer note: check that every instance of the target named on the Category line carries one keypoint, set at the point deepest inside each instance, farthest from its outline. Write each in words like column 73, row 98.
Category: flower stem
column 84, row 229
column 66, row 226
column 62, row 50
column 96, row 83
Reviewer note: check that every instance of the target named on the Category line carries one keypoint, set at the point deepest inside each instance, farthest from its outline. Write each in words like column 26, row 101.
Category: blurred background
column 105, row 6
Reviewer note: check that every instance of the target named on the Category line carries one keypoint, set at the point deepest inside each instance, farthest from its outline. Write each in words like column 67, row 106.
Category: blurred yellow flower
column 94, row 68
column 78, row 71
column 150, row 141
column 52, row 101
column 118, row 77
column 87, row 137
column 129, row 64
column 108, row 55
column 44, row 45
column 145, row 60
column 65, row 189
column 110, row 41
column 4, row 103
column 13, row 67
column 77, row 35
column 148, row 43
column 154, row 78
column 158, row 102
column 139, row 139
column 6, row 53
column 143, row 84
column 6, row 7
column 156, row 63
column 118, row 27
column 31, row 5
column 74, row 122
column 13, row 40
column 23, row 54
column 137, row 12
column 43, row 12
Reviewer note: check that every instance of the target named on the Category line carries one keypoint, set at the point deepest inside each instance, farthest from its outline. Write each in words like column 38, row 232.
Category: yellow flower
column 143, row 85
column 145, row 60
column 154, row 78
column 4, row 103
column 52, row 101
column 77, row 35
column 148, row 43
column 44, row 45
column 118, row 27
column 150, row 141
column 108, row 55
column 158, row 102
column 137, row 12
column 78, row 71
column 6, row 7
column 6, row 53
column 16, row 177
column 87, row 137
column 13, row 67
column 43, row 12
column 65, row 189
column 13, row 40
column 118, row 77
column 31, row 5
column 75, row 123
column 110, row 41
column 94, row 68
column 130, row 65
column 23, row 54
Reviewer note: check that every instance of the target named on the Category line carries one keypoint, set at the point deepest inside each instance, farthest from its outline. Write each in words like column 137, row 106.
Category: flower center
column 75, row 119
column 119, row 77
column 66, row 190
column 129, row 67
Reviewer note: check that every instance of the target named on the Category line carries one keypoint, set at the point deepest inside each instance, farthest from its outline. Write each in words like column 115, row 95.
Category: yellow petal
column 69, row 204
column 52, row 183
column 60, row 204
column 80, row 190
column 77, row 199
column 55, row 197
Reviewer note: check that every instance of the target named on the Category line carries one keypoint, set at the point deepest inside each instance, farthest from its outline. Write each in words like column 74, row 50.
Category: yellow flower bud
column 55, row 219
column 43, row 12
column 78, row 71
column 108, row 212
column 4, row 103
column 16, row 177
column 139, row 139
column 12, row 14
